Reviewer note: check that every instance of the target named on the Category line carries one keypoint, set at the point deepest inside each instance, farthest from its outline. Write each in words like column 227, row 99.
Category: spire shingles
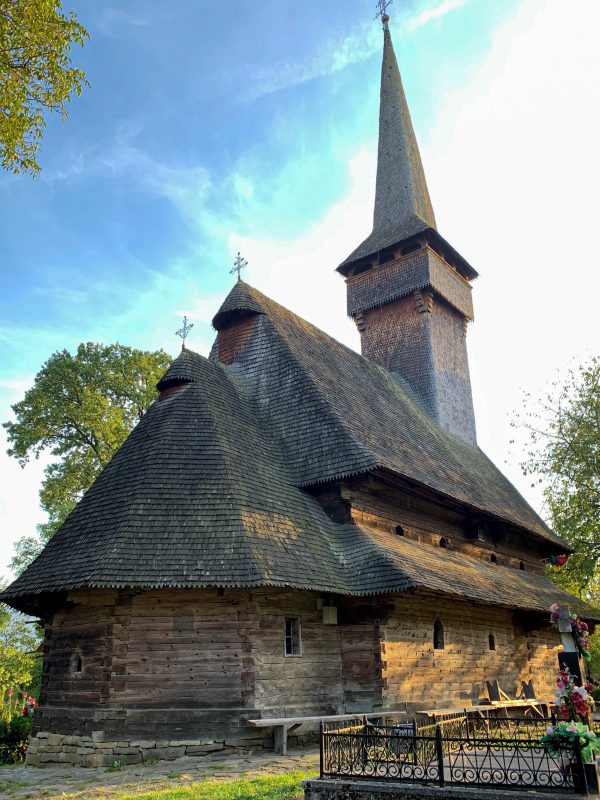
column 402, row 204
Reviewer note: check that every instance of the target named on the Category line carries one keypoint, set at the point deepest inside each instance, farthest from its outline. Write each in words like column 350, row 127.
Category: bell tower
column 408, row 290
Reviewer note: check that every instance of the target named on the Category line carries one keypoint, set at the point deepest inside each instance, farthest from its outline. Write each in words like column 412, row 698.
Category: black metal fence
column 492, row 753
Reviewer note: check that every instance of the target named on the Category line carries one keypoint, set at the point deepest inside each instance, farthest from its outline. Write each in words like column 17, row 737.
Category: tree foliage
column 36, row 75
column 80, row 409
column 19, row 641
column 563, row 428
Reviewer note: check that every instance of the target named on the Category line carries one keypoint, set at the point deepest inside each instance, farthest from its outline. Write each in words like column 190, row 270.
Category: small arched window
column 492, row 641
column 399, row 530
column 438, row 634
column 77, row 663
column 521, row 566
column 494, row 558
column 443, row 542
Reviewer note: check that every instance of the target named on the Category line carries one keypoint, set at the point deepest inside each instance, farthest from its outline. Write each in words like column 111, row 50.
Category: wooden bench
column 284, row 725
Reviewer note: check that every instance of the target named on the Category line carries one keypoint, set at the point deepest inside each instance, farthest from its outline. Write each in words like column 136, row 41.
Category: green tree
column 563, row 429
column 36, row 75
column 19, row 641
column 80, row 409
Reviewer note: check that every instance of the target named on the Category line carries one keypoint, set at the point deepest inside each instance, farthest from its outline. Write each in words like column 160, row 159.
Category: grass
column 273, row 787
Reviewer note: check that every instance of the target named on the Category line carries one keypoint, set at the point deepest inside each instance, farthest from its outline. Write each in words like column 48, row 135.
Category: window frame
column 290, row 636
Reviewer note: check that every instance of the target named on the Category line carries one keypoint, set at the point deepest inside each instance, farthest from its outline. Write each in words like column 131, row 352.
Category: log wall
column 417, row 674
column 170, row 671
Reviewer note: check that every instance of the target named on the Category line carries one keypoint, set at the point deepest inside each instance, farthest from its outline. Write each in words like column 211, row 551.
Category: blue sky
column 211, row 128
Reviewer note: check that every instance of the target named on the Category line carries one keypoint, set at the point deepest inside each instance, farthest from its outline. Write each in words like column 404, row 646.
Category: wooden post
column 280, row 736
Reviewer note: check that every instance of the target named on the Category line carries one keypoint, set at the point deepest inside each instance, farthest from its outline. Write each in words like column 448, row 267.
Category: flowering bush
column 16, row 709
column 579, row 629
column 562, row 737
column 572, row 701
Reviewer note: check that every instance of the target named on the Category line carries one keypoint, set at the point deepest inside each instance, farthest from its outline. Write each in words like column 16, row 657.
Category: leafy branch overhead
column 563, row 430
column 36, row 75
column 80, row 410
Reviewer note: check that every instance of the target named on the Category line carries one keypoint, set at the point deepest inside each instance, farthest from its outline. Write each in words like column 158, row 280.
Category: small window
column 77, row 663
column 399, row 530
column 443, row 543
column 521, row 566
column 293, row 644
column 494, row 558
column 492, row 641
column 438, row 634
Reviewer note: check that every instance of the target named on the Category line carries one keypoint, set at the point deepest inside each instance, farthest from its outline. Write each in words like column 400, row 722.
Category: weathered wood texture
column 416, row 673
column 192, row 666
column 372, row 502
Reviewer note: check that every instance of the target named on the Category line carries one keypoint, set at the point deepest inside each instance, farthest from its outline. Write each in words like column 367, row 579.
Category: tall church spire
column 402, row 204
column 408, row 289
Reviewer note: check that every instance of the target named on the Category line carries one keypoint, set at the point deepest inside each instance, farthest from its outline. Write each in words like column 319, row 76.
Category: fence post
column 580, row 771
column 364, row 751
column 321, row 731
column 414, row 742
column 440, row 754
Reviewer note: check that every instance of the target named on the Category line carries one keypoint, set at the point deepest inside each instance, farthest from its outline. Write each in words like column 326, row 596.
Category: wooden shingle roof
column 207, row 489
column 339, row 414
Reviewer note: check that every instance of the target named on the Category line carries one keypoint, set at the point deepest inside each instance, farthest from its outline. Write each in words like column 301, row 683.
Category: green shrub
column 14, row 738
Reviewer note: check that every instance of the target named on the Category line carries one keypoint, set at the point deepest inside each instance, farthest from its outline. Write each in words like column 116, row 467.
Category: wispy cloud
column 429, row 14
column 185, row 186
column 112, row 21
column 334, row 56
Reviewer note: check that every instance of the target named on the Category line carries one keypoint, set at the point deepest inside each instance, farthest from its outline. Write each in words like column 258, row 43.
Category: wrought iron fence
column 513, row 757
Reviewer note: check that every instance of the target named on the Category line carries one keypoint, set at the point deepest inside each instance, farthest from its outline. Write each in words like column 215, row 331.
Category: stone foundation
column 48, row 749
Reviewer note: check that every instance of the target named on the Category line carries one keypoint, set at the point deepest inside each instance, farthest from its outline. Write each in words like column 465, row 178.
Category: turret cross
column 184, row 330
column 238, row 265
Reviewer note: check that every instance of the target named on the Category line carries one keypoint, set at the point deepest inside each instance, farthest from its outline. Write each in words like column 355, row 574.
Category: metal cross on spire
column 382, row 10
column 183, row 331
column 238, row 265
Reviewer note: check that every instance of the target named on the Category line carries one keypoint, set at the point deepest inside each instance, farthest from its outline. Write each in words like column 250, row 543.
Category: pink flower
column 572, row 728
column 10, row 693
column 560, row 685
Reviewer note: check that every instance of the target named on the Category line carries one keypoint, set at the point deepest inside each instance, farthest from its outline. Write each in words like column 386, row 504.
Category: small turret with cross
column 238, row 265
column 184, row 330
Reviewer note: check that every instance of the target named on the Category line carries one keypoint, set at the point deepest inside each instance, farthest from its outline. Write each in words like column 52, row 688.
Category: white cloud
column 513, row 172
column 429, row 14
column 300, row 274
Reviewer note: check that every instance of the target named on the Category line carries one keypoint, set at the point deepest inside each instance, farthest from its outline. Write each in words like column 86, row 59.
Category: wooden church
column 295, row 529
